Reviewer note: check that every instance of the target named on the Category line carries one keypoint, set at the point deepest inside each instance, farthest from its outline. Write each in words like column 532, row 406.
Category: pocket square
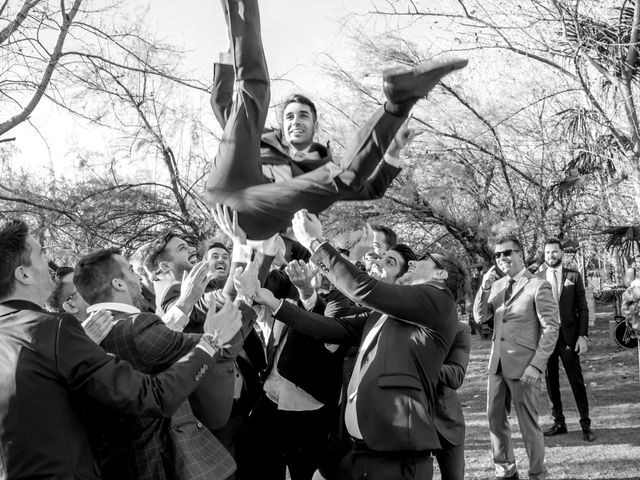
column 568, row 283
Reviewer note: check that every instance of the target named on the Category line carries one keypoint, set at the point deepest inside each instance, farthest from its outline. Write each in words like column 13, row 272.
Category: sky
column 294, row 33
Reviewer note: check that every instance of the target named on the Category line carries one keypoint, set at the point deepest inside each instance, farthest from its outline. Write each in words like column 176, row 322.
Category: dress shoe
column 555, row 429
column 402, row 84
column 588, row 435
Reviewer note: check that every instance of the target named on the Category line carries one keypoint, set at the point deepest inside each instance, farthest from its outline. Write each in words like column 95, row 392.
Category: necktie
column 555, row 284
column 507, row 292
column 298, row 156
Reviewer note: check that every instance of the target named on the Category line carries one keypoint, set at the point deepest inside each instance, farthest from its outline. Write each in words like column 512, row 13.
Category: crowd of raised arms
column 275, row 354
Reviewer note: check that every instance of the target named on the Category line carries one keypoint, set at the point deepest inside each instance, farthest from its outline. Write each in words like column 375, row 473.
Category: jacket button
column 502, row 339
column 198, row 424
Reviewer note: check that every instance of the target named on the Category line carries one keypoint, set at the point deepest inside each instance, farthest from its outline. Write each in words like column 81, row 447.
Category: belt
column 360, row 445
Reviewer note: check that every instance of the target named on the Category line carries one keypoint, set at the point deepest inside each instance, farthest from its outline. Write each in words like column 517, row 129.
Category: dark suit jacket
column 572, row 304
column 397, row 394
column 146, row 447
column 48, row 368
column 449, row 416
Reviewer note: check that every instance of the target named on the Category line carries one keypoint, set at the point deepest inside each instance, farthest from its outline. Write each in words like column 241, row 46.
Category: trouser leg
column 358, row 465
column 237, row 164
column 304, row 436
column 498, row 407
column 450, row 460
column 571, row 363
column 525, row 401
column 552, row 380
column 367, row 149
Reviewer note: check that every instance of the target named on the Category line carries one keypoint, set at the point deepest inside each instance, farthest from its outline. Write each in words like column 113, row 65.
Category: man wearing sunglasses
column 525, row 318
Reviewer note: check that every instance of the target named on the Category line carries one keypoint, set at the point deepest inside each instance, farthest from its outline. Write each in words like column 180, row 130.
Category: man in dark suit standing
column 449, row 417
column 390, row 399
column 568, row 291
column 50, row 368
column 525, row 318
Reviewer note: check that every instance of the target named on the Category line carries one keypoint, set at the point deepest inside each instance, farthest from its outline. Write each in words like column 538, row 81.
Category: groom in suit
column 525, row 317
column 568, row 291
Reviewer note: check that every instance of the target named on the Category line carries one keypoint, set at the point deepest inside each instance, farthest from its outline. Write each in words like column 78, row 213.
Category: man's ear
column 23, row 275
column 164, row 266
column 69, row 307
column 119, row 284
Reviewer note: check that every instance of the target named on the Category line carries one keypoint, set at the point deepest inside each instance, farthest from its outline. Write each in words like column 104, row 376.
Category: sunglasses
column 434, row 260
column 70, row 296
column 506, row 253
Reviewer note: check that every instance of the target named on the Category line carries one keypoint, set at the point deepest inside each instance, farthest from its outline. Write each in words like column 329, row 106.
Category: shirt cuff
column 392, row 160
column 175, row 319
column 241, row 254
column 310, row 303
column 277, row 309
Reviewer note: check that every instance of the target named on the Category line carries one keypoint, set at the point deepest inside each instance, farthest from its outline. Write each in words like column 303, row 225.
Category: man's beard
column 554, row 264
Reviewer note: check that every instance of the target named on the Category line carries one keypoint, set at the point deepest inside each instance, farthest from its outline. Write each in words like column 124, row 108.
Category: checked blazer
column 180, row 447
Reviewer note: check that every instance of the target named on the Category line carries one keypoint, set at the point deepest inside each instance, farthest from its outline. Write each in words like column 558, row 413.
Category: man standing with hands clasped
column 525, row 317
column 568, row 291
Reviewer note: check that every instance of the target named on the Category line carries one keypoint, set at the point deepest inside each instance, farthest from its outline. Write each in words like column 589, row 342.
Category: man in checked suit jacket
column 525, row 318
column 49, row 368
column 572, row 339
column 145, row 448
column 390, row 401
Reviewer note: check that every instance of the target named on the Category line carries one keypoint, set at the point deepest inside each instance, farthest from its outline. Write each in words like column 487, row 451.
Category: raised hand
column 98, row 325
column 306, row 227
column 489, row 278
column 265, row 297
column 223, row 324
column 228, row 223
column 246, row 280
column 301, row 276
column 270, row 247
column 193, row 286
column 404, row 136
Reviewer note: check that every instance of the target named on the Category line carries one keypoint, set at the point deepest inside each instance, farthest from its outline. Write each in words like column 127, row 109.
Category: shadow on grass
column 604, row 436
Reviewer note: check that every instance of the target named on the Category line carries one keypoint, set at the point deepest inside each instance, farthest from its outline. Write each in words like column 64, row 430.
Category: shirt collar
column 114, row 306
column 519, row 275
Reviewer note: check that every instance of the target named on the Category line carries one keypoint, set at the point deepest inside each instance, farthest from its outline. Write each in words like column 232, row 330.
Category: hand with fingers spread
column 224, row 324
column 301, row 276
column 193, row 286
column 98, row 325
column 228, row 223
column 246, row 280
column 307, row 228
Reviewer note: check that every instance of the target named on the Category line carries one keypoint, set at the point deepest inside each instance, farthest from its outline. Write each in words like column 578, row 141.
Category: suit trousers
column 450, row 460
column 370, row 465
column 501, row 393
column 278, row 439
column 236, row 178
column 571, row 362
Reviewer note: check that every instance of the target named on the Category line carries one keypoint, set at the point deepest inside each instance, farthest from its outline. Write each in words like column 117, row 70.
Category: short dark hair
column 14, row 251
column 299, row 98
column 155, row 251
column 458, row 280
column 218, row 245
column 554, row 241
column 508, row 237
column 407, row 255
column 55, row 300
column 94, row 272
column 389, row 235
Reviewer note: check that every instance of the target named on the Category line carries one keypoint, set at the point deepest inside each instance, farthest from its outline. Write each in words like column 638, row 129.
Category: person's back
column 41, row 434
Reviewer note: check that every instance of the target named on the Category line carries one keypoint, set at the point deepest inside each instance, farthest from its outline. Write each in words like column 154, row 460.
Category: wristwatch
column 315, row 243
column 585, row 338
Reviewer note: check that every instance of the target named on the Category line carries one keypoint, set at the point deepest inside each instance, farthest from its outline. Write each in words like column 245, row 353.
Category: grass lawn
column 613, row 387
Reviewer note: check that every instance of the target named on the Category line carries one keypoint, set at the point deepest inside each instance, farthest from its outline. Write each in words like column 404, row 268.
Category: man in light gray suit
column 525, row 318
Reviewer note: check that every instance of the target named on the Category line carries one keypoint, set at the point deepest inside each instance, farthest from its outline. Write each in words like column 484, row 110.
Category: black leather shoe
column 402, row 84
column 555, row 429
column 588, row 435
column 515, row 476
